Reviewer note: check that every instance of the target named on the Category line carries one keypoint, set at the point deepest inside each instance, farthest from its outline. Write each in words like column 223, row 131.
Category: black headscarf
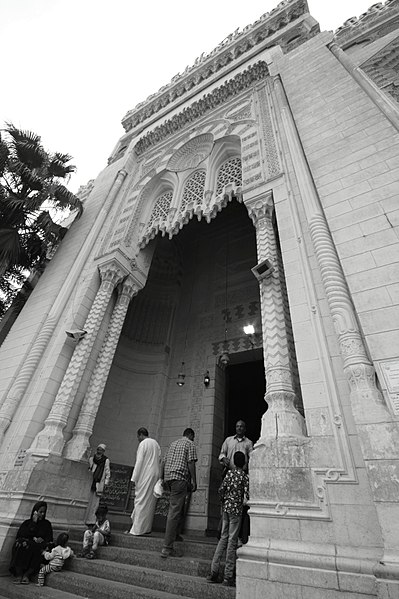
column 99, row 471
column 41, row 528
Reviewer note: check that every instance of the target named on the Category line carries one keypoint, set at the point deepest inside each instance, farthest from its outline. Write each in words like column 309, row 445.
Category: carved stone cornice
column 233, row 46
column 210, row 101
column 382, row 68
column 368, row 24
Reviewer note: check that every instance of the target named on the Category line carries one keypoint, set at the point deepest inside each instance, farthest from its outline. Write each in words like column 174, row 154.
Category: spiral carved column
column 76, row 448
column 357, row 366
column 51, row 439
column 282, row 418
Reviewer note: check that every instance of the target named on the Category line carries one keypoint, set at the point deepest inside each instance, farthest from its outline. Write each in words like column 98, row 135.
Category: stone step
column 194, row 587
column 200, row 547
column 31, row 591
column 192, row 566
column 102, row 588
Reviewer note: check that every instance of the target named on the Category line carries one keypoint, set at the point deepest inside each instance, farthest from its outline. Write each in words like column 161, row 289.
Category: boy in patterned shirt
column 234, row 493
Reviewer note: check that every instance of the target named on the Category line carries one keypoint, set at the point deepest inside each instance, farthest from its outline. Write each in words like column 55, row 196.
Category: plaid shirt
column 234, row 488
column 177, row 457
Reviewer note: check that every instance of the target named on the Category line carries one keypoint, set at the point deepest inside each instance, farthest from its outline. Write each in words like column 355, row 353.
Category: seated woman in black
column 32, row 538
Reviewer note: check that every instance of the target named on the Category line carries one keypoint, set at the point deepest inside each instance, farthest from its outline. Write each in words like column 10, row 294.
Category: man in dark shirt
column 234, row 493
column 177, row 472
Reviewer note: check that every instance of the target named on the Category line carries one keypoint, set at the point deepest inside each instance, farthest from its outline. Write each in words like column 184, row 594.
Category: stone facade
column 259, row 186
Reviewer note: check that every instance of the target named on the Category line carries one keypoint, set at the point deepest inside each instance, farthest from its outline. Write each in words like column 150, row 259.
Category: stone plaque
column 117, row 493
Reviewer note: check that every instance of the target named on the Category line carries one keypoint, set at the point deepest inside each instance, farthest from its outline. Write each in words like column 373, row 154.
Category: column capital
column 129, row 288
column 112, row 272
column 260, row 207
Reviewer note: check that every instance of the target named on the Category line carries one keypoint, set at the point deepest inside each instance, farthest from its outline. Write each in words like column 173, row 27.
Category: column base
column 77, row 449
column 282, row 419
column 49, row 441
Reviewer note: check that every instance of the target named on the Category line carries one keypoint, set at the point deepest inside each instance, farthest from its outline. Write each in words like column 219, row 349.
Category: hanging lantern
column 181, row 376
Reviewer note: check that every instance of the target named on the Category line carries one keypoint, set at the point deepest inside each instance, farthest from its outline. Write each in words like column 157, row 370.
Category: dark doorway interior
column 245, row 392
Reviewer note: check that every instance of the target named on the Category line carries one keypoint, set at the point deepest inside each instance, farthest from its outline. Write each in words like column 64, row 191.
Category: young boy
column 56, row 558
column 99, row 534
column 234, row 493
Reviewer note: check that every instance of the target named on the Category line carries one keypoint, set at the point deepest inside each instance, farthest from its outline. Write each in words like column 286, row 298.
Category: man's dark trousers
column 178, row 490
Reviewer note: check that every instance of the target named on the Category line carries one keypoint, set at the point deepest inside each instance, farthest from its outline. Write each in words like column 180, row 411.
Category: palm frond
column 30, row 154
column 58, row 168
column 4, row 154
column 22, row 135
column 33, row 249
column 10, row 247
column 64, row 158
column 50, row 230
column 63, row 198
column 27, row 177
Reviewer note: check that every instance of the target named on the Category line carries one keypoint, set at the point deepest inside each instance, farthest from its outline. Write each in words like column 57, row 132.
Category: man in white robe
column 146, row 472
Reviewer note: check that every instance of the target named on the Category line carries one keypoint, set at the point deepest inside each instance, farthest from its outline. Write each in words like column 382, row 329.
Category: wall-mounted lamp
column 207, row 379
column 181, row 376
column 249, row 329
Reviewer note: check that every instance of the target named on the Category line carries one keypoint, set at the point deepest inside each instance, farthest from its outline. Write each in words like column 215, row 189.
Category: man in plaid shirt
column 178, row 472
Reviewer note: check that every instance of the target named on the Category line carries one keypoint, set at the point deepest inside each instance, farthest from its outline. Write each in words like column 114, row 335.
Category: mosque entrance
column 245, row 391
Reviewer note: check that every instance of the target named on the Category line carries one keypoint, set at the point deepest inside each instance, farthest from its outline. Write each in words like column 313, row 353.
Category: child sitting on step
column 99, row 534
column 56, row 558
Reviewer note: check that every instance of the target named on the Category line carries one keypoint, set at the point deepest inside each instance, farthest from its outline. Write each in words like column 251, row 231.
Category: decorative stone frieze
column 50, row 439
column 282, row 418
column 272, row 166
column 76, row 448
column 191, row 154
column 382, row 68
column 209, row 102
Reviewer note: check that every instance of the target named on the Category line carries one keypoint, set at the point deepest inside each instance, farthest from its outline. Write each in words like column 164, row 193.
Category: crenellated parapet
column 270, row 28
column 378, row 20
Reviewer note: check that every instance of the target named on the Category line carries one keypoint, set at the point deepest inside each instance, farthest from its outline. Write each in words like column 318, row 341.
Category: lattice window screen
column 161, row 208
column 194, row 189
column 229, row 172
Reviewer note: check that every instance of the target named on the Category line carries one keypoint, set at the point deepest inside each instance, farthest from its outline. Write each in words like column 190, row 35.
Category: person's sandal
column 91, row 555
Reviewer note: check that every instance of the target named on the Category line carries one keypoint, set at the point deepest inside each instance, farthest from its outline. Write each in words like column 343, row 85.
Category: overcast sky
column 71, row 69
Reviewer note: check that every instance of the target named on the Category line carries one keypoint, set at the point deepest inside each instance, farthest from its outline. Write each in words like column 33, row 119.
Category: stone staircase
column 130, row 568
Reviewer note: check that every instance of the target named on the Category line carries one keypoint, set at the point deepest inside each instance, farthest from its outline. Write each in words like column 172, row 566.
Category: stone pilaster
column 51, row 439
column 282, row 418
column 36, row 350
column 76, row 448
column 377, row 431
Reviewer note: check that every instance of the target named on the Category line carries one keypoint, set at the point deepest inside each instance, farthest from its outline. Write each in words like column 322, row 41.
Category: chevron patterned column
column 51, row 439
column 282, row 419
column 77, row 447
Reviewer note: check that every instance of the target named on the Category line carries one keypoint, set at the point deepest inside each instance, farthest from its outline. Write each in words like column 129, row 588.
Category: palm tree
column 30, row 185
